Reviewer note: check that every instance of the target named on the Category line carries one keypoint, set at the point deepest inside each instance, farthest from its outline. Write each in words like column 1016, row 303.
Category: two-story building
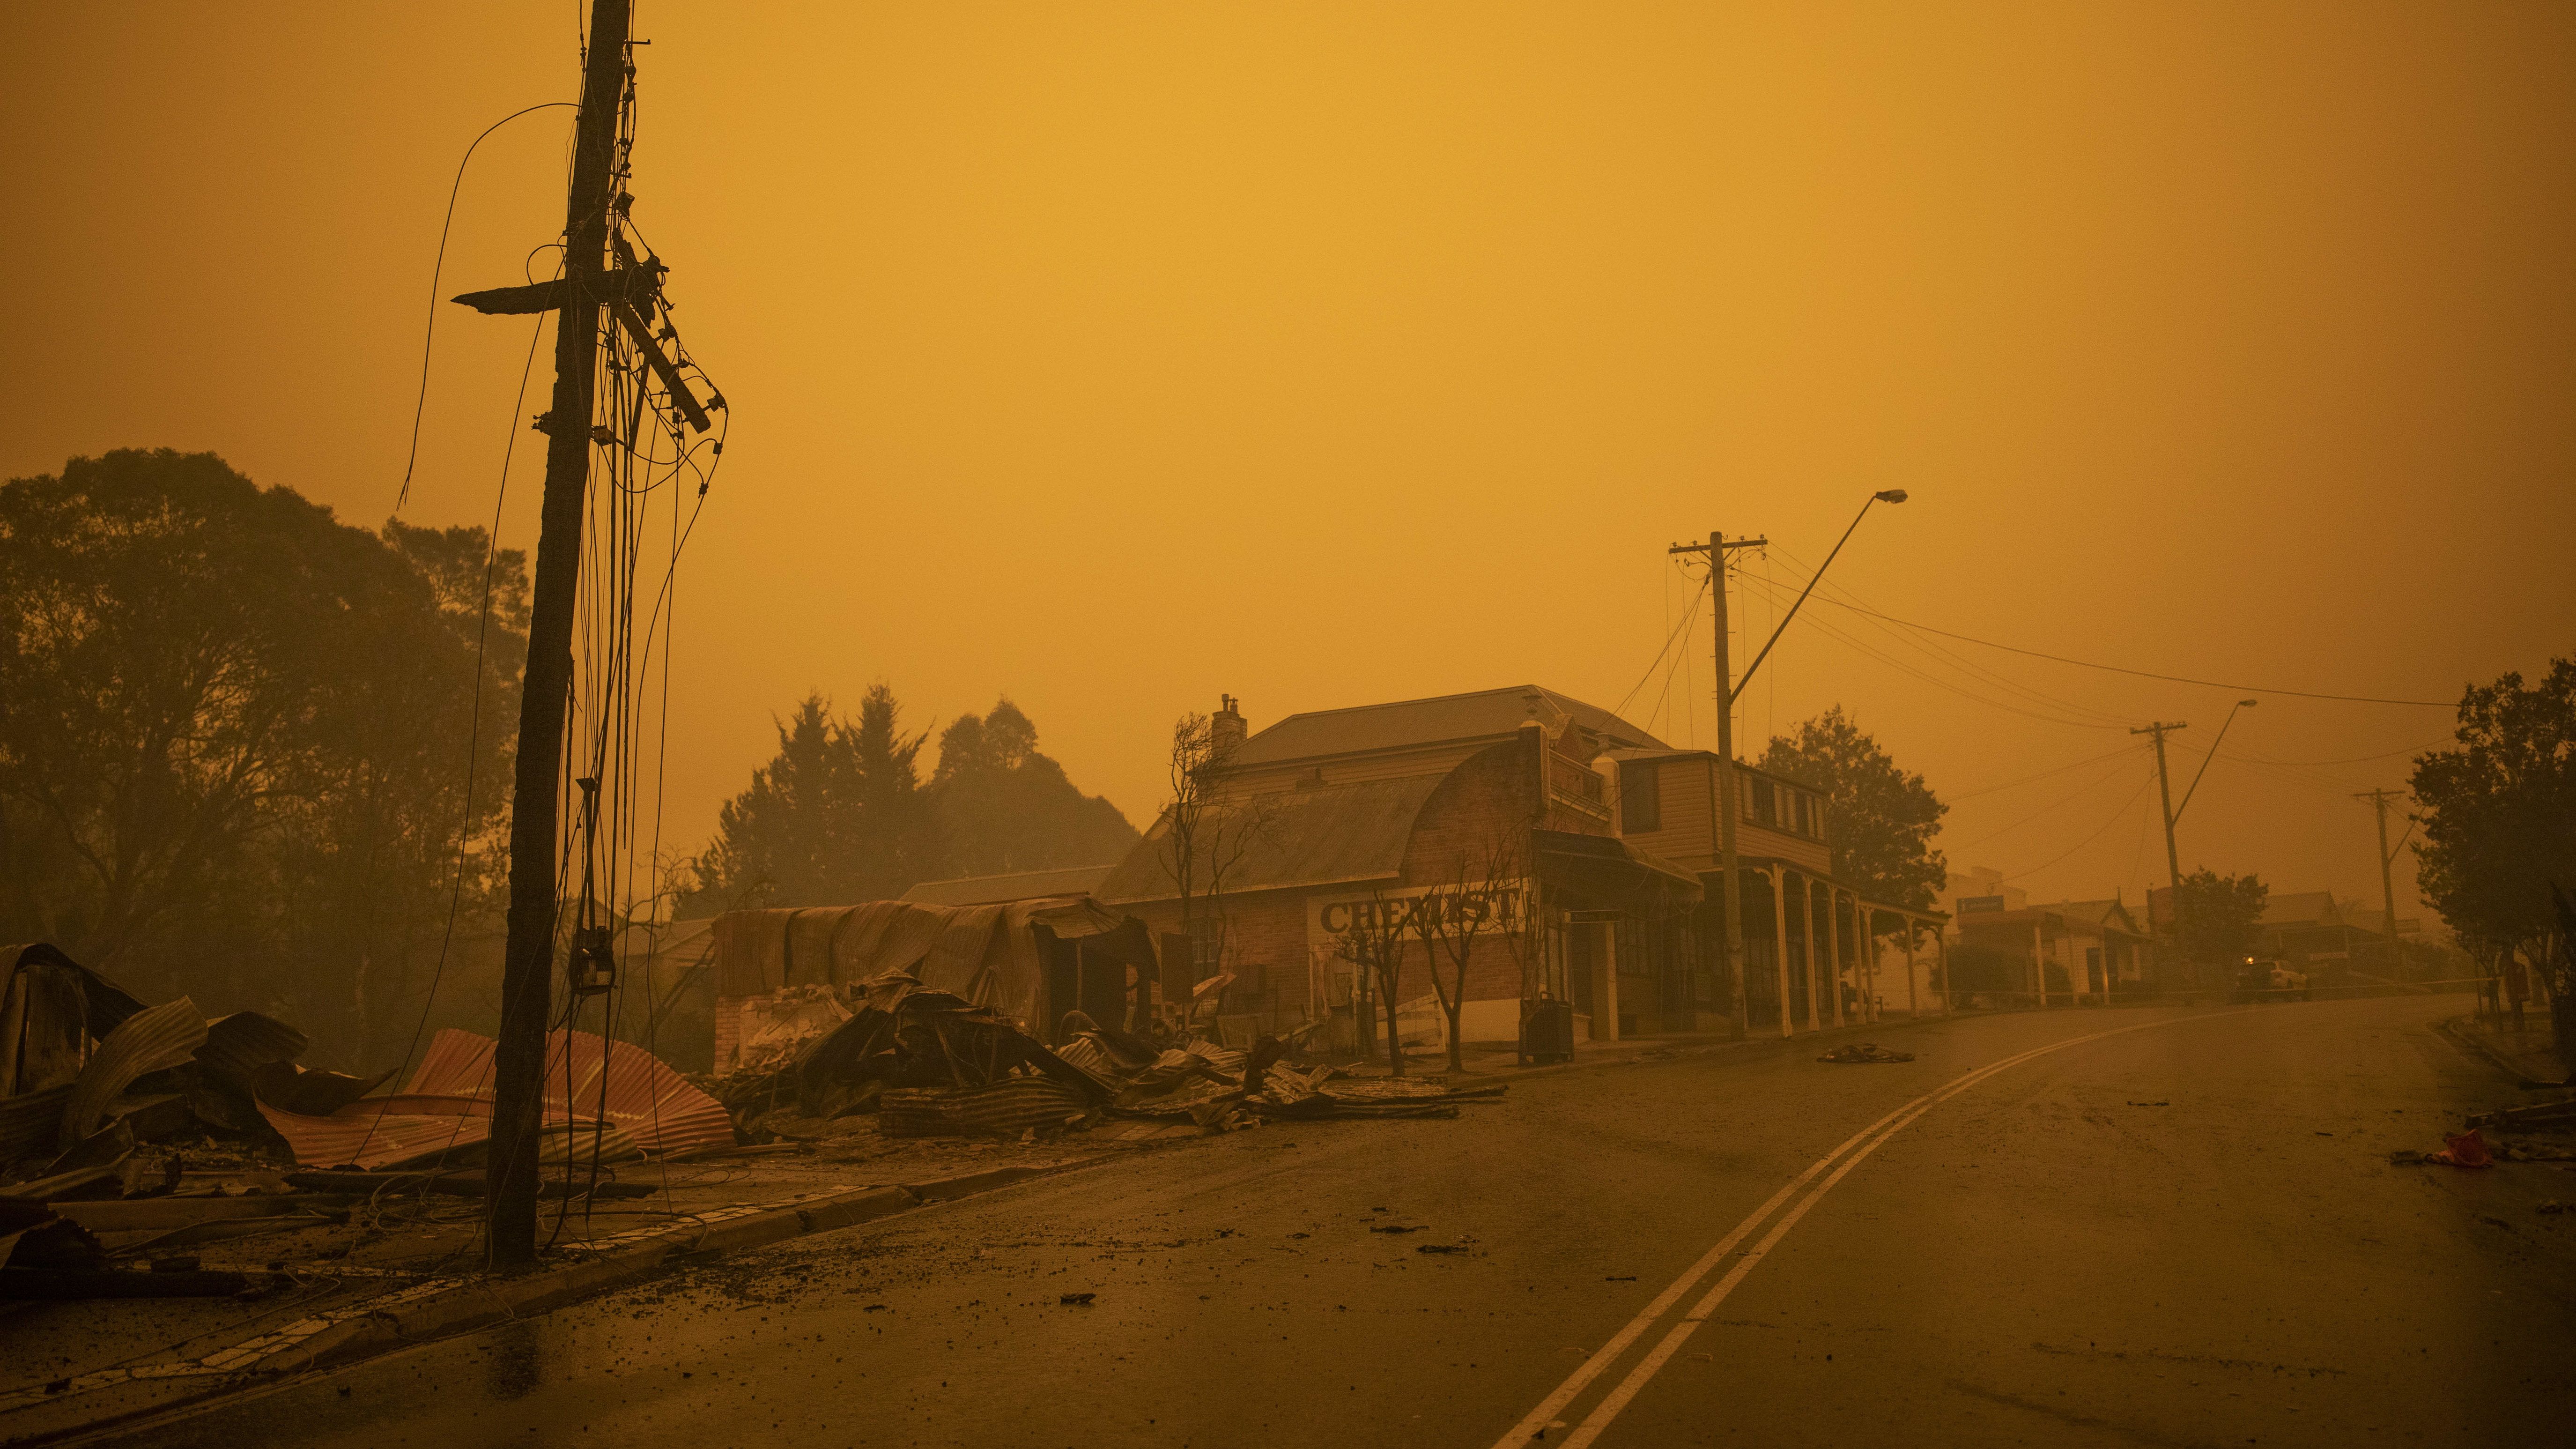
column 1316, row 828
column 1813, row 944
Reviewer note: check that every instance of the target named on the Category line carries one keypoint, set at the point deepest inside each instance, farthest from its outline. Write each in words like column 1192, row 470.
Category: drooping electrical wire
column 2089, row 839
column 437, row 268
column 2151, row 674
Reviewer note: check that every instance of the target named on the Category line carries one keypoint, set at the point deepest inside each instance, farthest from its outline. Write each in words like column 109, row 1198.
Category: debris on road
column 1077, row 1300
column 928, row 1064
column 604, row 1099
column 2537, row 1117
column 1865, row 1052
column 2151, row 1104
column 2553, row 1206
column 2466, row 1150
column 128, row 1129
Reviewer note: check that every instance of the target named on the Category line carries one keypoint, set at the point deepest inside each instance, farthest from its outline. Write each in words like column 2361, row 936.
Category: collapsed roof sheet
column 983, row 955
column 615, row 1092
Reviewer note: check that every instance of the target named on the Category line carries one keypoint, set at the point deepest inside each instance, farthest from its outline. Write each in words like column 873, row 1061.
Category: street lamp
column 1890, row 495
column 2205, row 759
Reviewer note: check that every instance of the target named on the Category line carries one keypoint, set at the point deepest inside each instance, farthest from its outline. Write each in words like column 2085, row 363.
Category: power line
column 1830, row 632
column 2081, row 791
column 2042, row 775
column 2096, row 835
column 1836, row 593
column 2148, row 673
column 421, row 403
column 1678, row 629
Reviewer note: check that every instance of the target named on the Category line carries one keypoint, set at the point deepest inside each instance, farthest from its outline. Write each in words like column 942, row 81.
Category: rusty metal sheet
column 242, row 1043
column 154, row 1039
column 1004, row 1109
column 614, row 1096
column 384, row 1131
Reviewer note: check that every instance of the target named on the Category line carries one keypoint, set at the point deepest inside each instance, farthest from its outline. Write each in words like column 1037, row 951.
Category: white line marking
column 1859, row 1146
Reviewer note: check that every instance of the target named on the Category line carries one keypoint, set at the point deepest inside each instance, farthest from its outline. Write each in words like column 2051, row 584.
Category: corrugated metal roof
column 242, row 1043
column 1004, row 1109
column 986, row 890
column 154, row 1039
column 2301, row 908
column 1354, row 832
column 1613, row 870
column 448, row 1103
column 1485, row 714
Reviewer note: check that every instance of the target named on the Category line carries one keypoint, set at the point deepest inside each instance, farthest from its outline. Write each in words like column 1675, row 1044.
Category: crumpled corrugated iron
column 1004, row 1109
column 154, row 1039
column 906, row 1035
column 612, row 1097
column 237, row 1046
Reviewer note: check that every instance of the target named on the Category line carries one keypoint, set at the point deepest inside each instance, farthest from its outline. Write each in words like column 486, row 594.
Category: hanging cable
column 437, row 268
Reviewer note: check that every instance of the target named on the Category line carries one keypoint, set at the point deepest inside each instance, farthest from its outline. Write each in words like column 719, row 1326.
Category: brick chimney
column 1225, row 728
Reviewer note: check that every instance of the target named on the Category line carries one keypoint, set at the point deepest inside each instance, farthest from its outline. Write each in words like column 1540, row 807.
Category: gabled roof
column 1335, row 834
column 2301, row 908
column 2113, row 914
column 1026, row 885
column 1447, row 719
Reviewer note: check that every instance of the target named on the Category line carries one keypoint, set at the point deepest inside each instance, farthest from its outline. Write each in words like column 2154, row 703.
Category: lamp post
column 1891, row 495
column 2204, row 763
column 1728, row 692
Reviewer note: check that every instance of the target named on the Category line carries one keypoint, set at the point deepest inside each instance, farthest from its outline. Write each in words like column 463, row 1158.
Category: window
column 1641, row 804
column 1766, row 807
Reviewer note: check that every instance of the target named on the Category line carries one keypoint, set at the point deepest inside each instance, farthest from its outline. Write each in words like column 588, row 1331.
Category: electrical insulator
column 594, row 965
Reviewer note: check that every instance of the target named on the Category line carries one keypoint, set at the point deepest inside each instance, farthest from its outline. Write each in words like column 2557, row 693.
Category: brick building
column 1328, row 822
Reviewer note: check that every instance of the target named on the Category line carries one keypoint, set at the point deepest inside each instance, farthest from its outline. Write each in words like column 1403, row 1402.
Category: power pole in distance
column 528, row 963
column 2387, row 884
column 2164, row 791
column 1722, row 779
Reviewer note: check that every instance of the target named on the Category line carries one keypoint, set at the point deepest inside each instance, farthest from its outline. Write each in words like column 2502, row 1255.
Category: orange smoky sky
column 1113, row 356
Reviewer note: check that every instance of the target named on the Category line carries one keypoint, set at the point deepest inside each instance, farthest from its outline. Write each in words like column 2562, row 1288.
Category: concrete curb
column 441, row 1308
column 2468, row 1042
column 482, row 1303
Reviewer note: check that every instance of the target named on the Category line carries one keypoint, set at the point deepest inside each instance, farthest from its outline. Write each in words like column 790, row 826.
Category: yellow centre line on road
column 1831, row 1168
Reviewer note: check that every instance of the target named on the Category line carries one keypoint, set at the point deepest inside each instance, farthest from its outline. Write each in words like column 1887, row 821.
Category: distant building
column 2308, row 931
column 1981, row 888
column 2099, row 949
column 2312, row 932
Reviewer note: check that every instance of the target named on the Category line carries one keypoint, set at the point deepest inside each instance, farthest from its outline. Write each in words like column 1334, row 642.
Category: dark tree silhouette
column 837, row 816
column 1005, row 807
column 1882, row 818
column 236, row 736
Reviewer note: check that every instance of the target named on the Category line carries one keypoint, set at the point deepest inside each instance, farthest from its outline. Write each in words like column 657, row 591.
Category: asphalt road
column 2185, row 1231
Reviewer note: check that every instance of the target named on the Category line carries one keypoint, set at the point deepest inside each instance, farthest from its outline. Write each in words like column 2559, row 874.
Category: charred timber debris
column 127, row 1130
column 929, row 1064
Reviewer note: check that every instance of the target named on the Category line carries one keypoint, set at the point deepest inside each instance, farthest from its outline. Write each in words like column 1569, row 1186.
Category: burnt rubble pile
column 128, row 1129
column 930, row 1065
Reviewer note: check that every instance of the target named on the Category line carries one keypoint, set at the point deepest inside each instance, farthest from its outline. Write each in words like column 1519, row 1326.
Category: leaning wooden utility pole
column 2173, row 857
column 527, row 969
